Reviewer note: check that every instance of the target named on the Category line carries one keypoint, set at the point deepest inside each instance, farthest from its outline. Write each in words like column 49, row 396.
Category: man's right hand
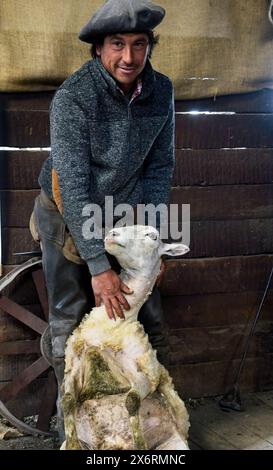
column 108, row 289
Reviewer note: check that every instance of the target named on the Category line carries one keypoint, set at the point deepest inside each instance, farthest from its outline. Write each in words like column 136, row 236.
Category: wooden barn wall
column 224, row 169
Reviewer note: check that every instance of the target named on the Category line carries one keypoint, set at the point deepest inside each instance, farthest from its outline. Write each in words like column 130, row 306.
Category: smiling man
column 112, row 132
column 124, row 56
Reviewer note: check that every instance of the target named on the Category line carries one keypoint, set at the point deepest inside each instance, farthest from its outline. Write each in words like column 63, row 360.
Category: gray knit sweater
column 101, row 144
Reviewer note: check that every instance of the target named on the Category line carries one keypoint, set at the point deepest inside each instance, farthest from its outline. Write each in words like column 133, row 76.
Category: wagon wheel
column 25, row 381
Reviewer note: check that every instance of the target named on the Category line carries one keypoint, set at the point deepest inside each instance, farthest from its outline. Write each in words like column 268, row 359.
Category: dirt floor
column 12, row 439
column 249, row 429
column 29, row 443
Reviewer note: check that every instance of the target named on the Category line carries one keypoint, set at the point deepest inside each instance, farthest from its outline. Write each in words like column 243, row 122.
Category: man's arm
column 71, row 160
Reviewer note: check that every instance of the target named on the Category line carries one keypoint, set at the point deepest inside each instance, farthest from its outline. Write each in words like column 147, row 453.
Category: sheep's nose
column 111, row 236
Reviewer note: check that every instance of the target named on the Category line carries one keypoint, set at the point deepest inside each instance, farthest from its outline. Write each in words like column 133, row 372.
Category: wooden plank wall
column 224, row 170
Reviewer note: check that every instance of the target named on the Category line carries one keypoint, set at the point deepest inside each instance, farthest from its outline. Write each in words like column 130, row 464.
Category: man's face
column 124, row 56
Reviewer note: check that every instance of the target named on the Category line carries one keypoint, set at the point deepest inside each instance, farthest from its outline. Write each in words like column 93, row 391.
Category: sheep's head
column 139, row 246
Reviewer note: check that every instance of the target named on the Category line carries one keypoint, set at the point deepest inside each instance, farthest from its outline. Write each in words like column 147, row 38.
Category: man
column 112, row 131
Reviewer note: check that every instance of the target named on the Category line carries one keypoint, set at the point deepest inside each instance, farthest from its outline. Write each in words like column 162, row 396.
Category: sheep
column 116, row 394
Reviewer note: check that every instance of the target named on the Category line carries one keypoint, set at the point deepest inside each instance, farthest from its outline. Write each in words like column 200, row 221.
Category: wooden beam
column 194, row 345
column 216, row 309
column 223, row 131
column 223, row 167
column 207, row 203
column 256, row 102
column 212, row 275
column 20, row 170
column 216, row 378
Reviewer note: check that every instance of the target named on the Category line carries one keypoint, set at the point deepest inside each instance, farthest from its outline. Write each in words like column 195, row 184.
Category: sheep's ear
column 173, row 249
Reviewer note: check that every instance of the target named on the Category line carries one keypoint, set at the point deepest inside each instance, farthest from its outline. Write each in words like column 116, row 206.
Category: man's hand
column 161, row 273
column 108, row 289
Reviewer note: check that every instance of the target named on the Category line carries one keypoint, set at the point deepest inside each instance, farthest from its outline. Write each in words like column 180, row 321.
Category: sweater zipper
column 129, row 114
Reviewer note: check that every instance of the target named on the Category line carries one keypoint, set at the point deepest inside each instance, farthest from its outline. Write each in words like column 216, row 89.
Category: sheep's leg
column 133, row 402
column 180, row 413
column 69, row 407
column 72, row 384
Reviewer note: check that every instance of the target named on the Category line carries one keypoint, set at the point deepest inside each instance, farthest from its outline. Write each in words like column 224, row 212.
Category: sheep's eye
column 151, row 235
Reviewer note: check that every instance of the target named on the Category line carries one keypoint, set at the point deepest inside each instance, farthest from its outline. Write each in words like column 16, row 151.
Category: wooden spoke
column 39, row 281
column 27, row 393
column 23, row 379
column 23, row 315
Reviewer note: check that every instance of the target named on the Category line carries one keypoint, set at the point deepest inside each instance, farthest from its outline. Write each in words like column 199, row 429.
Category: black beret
column 122, row 16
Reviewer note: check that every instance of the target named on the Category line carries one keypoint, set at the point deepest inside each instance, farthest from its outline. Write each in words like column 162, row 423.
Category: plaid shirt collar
column 137, row 90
